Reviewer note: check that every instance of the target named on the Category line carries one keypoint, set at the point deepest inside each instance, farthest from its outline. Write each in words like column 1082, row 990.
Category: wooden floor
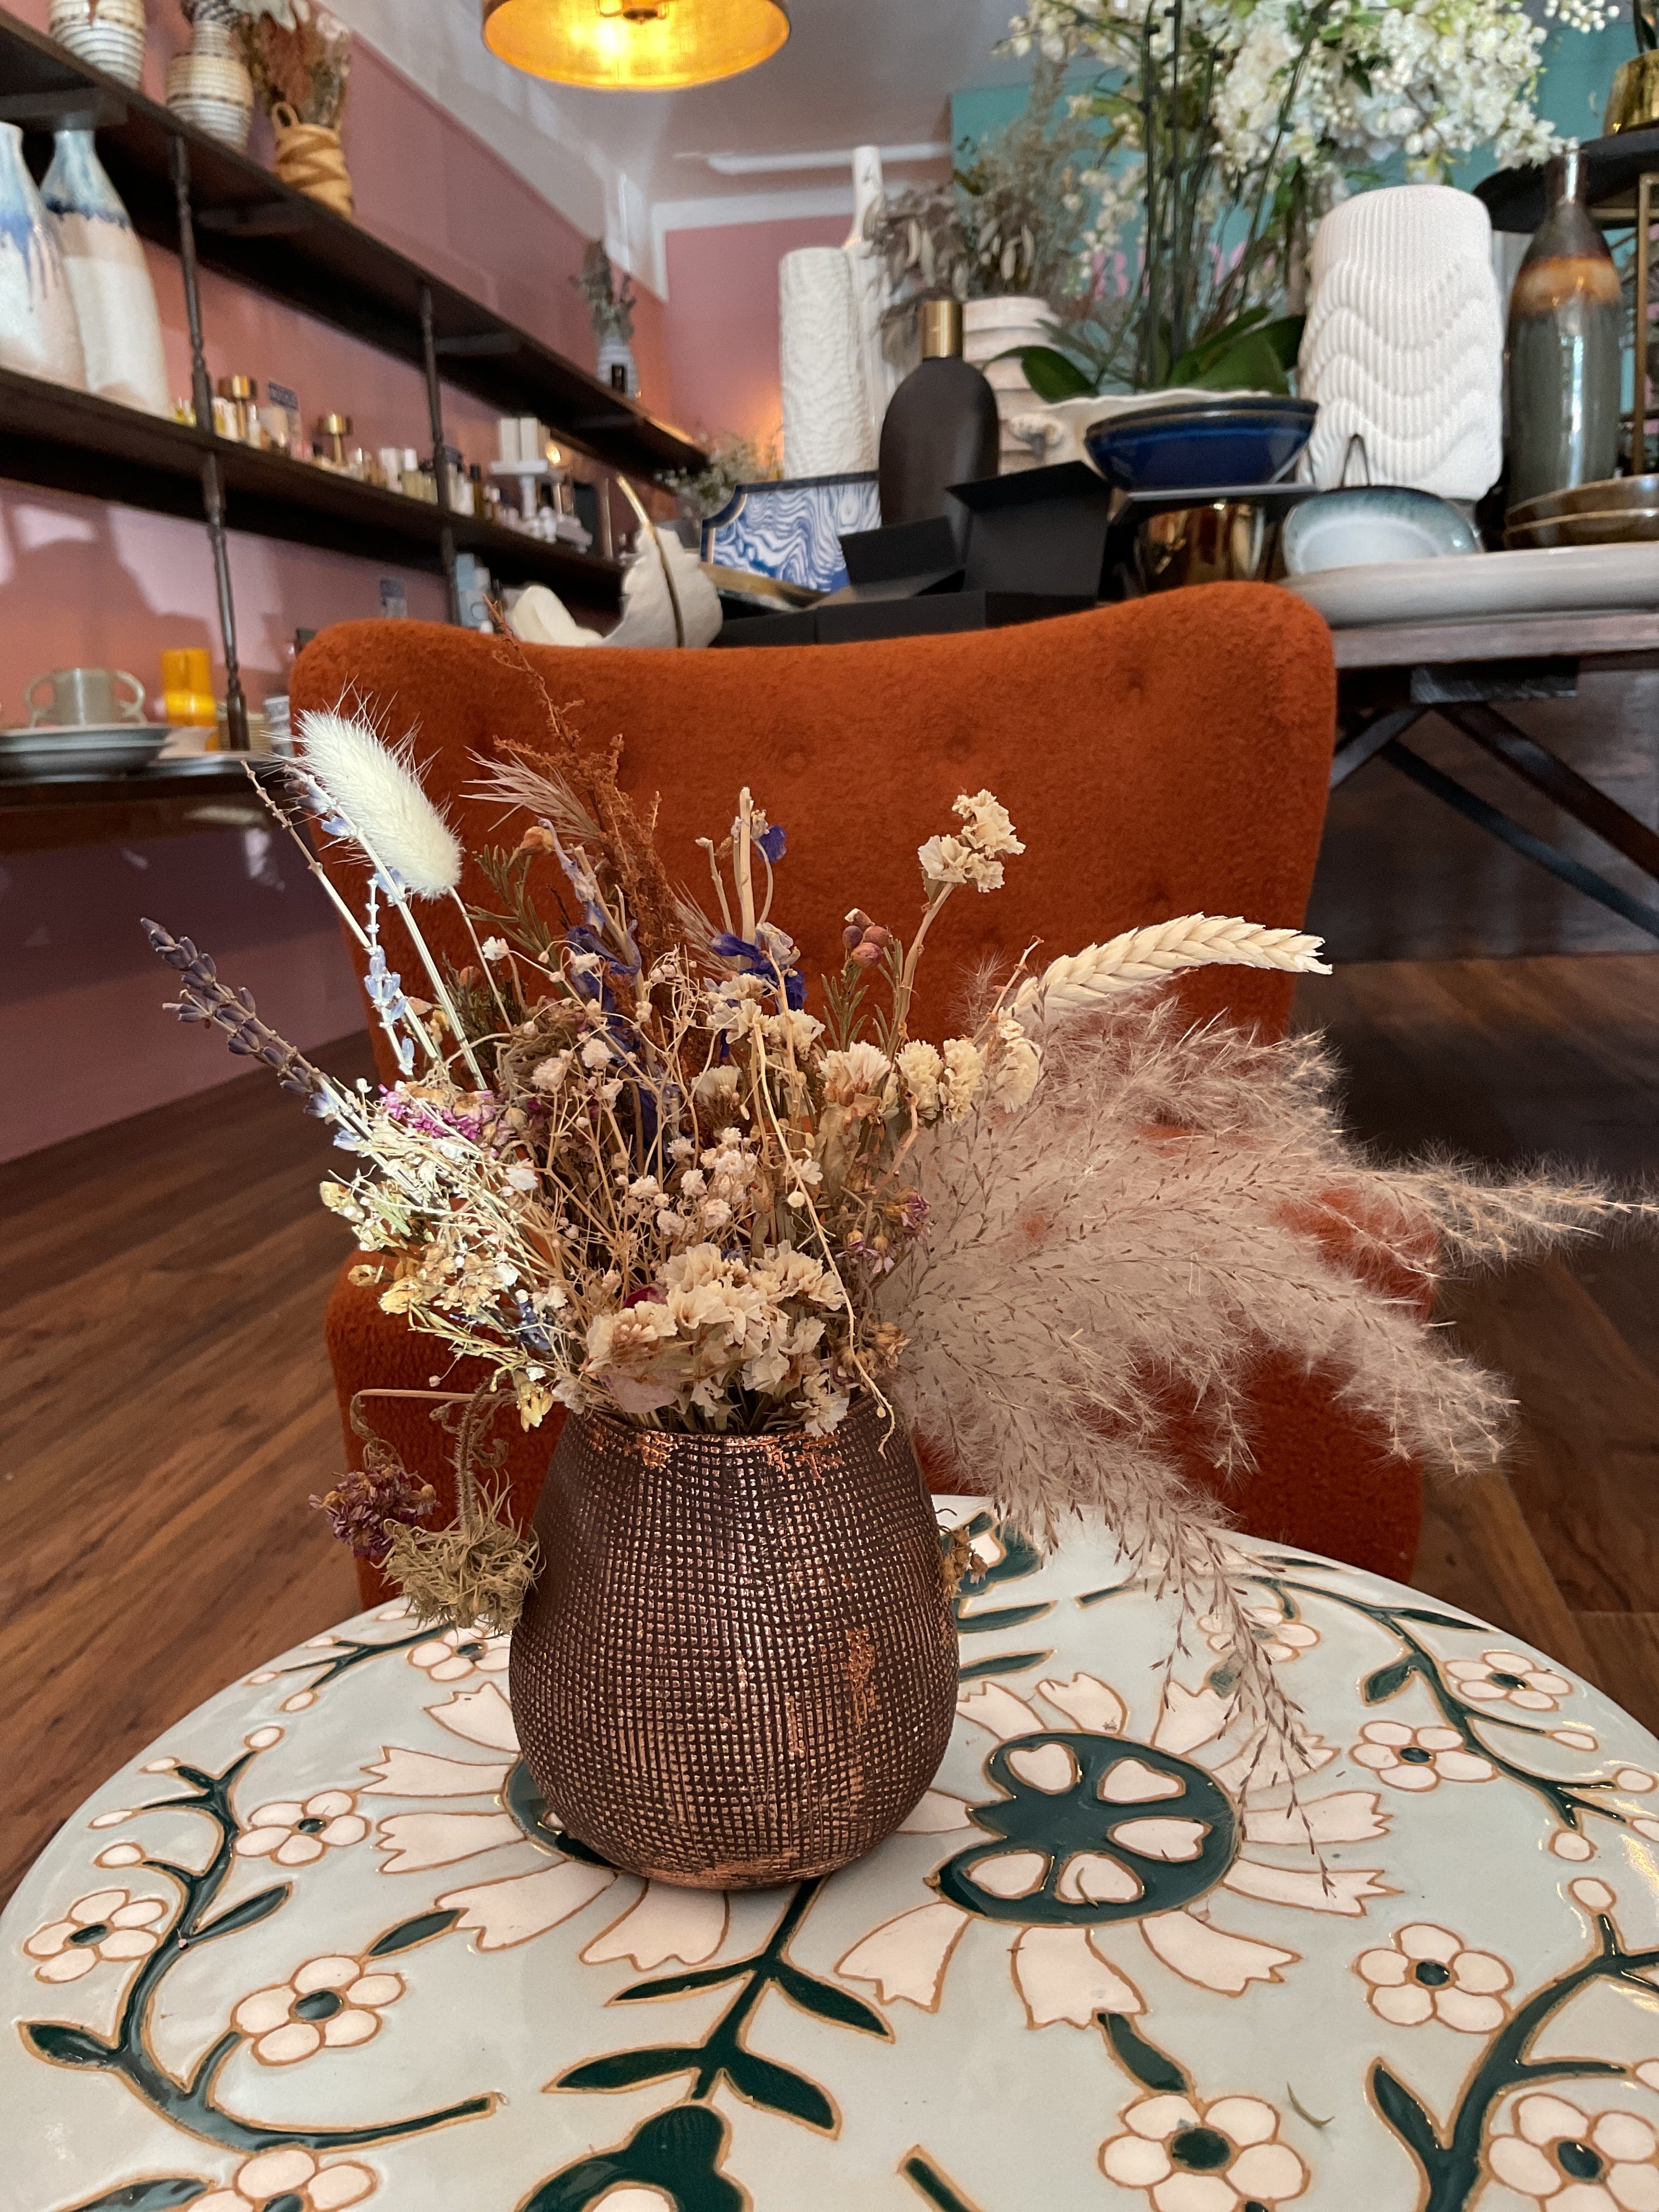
column 165, row 1409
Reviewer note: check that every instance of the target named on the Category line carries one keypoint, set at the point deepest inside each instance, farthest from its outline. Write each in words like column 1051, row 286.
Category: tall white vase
column 1404, row 344
column 39, row 333
column 108, row 276
column 990, row 327
column 871, row 290
column 827, row 429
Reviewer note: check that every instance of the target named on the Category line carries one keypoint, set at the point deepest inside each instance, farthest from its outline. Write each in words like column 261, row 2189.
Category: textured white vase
column 827, row 429
column 1404, row 344
column 108, row 278
column 109, row 34
column 616, row 353
column 990, row 327
column 871, row 290
column 40, row 335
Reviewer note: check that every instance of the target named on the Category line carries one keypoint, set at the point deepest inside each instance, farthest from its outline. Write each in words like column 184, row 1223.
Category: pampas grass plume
column 374, row 789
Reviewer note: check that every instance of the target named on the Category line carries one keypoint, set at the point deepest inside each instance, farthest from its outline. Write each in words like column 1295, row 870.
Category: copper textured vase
column 738, row 1666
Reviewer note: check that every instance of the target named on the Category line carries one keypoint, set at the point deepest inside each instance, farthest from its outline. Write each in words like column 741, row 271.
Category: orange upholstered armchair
column 1158, row 758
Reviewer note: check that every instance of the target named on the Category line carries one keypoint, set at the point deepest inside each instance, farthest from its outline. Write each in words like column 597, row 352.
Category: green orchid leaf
column 779, row 2089
column 1050, row 374
column 148, row 2195
column 1152, row 2068
column 1407, row 2117
column 829, row 2001
column 621, row 2069
column 408, row 1933
column 68, row 2047
column 675, row 1985
column 259, row 1906
column 1388, row 1681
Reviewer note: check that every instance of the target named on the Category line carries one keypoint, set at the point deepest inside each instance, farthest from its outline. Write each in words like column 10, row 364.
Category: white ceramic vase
column 40, row 335
column 108, row 34
column 1404, row 344
column 989, row 327
column 108, row 276
column 210, row 86
column 827, row 427
column 616, row 353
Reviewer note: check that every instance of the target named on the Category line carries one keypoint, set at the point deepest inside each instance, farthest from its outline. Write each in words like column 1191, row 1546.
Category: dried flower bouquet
column 625, row 1165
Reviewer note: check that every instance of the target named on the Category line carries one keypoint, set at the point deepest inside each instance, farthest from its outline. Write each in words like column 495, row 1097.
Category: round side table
column 320, row 1947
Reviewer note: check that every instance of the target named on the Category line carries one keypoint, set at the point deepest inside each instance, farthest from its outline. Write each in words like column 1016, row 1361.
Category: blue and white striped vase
column 40, row 335
column 109, row 279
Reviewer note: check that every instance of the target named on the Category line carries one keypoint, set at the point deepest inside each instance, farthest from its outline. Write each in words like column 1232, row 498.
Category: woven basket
column 738, row 1666
column 308, row 157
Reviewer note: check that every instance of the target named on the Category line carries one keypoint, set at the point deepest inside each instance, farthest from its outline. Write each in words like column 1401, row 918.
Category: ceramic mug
column 84, row 698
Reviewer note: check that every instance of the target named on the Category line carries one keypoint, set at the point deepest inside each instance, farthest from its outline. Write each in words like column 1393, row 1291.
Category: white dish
column 113, row 749
column 1542, row 581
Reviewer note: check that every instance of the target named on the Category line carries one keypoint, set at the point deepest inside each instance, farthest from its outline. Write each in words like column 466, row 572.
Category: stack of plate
column 1620, row 511
column 87, row 749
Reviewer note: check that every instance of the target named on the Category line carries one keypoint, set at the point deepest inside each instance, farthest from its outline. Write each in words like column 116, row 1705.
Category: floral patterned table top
column 319, row 1947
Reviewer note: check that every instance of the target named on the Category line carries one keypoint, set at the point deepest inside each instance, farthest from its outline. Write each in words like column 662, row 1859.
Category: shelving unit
column 217, row 209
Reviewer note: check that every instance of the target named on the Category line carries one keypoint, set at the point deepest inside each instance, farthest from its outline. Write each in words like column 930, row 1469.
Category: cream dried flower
column 964, row 1075
column 950, row 860
column 985, row 826
column 919, row 1067
column 856, row 1076
column 1015, row 1066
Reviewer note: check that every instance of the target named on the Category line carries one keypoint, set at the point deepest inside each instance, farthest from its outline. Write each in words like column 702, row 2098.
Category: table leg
column 1364, row 743
column 1550, row 775
column 1499, row 825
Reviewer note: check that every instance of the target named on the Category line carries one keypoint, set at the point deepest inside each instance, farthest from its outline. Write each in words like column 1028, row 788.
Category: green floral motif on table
column 1075, row 1833
column 1086, row 1848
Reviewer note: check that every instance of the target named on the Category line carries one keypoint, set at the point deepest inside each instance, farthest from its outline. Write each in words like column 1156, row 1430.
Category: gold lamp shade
column 635, row 45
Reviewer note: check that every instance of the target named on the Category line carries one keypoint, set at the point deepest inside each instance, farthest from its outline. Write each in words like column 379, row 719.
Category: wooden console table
column 1389, row 679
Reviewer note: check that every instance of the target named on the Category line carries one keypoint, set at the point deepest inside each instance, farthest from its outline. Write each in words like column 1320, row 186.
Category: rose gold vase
column 738, row 1665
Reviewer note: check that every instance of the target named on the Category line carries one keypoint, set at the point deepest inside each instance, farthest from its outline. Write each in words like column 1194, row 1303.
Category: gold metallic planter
column 738, row 1665
column 1634, row 102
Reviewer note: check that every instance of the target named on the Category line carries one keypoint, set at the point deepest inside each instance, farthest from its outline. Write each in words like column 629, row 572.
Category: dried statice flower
column 365, row 1506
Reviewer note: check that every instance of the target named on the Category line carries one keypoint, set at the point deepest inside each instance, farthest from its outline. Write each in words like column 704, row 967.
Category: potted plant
column 611, row 310
column 750, row 1247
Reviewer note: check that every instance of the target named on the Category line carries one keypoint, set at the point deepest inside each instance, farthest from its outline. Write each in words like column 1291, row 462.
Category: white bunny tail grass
column 1173, row 1203
column 1077, row 982
column 373, row 789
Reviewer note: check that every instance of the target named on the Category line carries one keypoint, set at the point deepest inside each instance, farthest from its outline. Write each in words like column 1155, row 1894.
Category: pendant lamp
column 635, row 45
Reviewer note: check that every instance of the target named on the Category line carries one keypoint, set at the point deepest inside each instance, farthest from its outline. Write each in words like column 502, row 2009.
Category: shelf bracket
column 435, row 406
column 213, row 494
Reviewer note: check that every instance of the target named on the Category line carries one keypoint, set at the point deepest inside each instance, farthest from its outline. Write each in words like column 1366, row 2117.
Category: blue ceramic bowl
column 1199, row 443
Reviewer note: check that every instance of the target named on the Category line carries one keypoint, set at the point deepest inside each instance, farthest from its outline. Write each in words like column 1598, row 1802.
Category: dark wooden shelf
column 250, row 226
column 73, row 442
column 1515, row 198
column 166, row 799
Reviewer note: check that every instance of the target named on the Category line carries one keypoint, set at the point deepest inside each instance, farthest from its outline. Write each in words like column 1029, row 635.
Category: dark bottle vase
column 738, row 1666
column 1565, row 351
column 940, row 428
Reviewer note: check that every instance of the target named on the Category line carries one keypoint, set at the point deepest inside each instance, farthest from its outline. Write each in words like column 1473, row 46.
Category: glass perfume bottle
column 1565, row 331
column 940, row 427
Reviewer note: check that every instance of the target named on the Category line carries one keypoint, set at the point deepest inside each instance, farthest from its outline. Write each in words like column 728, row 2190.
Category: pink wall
column 721, row 320
column 82, row 581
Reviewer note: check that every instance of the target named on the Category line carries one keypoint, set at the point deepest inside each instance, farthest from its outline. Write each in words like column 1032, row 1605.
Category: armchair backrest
column 1166, row 756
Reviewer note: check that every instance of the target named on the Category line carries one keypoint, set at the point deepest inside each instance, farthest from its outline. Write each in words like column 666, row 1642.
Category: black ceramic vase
column 1565, row 326
column 940, row 427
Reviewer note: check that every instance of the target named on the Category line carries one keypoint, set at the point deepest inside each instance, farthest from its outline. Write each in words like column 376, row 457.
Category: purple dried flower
column 362, row 1503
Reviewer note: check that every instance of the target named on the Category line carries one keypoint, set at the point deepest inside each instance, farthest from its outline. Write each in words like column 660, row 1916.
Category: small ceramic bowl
column 1223, row 439
column 1373, row 522
column 1226, row 541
